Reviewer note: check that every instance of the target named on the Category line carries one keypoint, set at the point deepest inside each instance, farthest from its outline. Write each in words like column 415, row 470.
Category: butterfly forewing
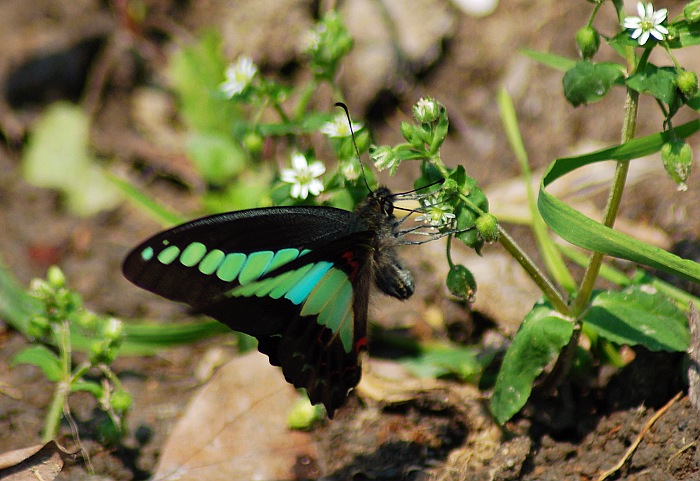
column 197, row 261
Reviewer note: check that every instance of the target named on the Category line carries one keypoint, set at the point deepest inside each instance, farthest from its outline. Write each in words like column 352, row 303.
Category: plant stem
column 55, row 414
column 533, row 271
column 60, row 395
column 304, row 99
column 564, row 362
column 628, row 130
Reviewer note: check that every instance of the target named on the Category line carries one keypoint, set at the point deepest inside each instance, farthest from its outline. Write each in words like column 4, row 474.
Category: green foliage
column 538, row 342
column 635, row 317
column 641, row 314
column 433, row 361
column 588, row 82
column 238, row 121
column 50, row 327
column 57, row 157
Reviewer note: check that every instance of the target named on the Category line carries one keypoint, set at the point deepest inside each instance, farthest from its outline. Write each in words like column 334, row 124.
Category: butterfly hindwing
column 313, row 326
column 295, row 278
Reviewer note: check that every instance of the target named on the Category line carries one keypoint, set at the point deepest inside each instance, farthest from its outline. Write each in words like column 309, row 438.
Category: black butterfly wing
column 295, row 278
column 157, row 264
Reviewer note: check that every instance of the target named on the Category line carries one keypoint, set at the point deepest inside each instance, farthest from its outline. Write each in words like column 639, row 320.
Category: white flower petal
column 316, row 169
column 288, row 175
column 299, row 163
column 329, row 129
column 641, row 9
column 660, row 15
column 643, row 39
column 649, row 10
column 315, row 186
column 661, row 29
column 632, row 22
column 636, row 33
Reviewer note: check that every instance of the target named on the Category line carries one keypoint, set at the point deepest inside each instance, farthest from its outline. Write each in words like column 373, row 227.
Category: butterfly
column 296, row 278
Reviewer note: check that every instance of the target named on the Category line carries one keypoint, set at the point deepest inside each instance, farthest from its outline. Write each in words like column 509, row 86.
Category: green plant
column 62, row 310
column 640, row 314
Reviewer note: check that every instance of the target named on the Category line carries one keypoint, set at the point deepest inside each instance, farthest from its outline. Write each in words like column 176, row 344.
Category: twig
column 639, row 438
column 694, row 355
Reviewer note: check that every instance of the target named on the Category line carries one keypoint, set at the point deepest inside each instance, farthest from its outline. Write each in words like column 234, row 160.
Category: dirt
column 574, row 434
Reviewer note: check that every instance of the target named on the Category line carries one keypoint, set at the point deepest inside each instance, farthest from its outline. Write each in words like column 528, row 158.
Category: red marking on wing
column 361, row 344
column 349, row 257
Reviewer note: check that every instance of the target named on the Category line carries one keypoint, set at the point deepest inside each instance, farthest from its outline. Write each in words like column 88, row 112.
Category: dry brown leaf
column 40, row 462
column 235, row 427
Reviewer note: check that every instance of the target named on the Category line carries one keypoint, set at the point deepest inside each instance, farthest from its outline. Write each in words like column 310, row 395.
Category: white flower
column 303, row 177
column 647, row 23
column 436, row 214
column 350, row 168
column 339, row 127
column 313, row 37
column 426, row 110
column 238, row 76
column 384, row 158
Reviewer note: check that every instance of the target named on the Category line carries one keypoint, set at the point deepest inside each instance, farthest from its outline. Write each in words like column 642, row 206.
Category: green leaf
column 57, row 157
column 196, row 72
column 145, row 203
column 43, row 358
column 443, row 361
column 88, row 386
column 588, row 82
column 636, row 317
column 540, row 339
column 16, row 306
column 694, row 103
column 623, row 40
column 548, row 250
column 579, row 230
column 556, row 62
column 218, row 158
column 659, row 82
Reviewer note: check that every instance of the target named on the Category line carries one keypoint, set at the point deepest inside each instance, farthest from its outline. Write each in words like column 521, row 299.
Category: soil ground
column 576, row 434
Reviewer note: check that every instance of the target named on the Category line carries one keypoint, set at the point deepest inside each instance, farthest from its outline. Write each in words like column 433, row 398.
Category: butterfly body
column 296, row 278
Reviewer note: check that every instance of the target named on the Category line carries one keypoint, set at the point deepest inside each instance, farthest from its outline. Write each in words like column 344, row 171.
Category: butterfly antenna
column 354, row 142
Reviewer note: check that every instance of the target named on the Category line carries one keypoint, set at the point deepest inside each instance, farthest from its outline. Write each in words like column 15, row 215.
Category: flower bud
column 253, row 143
column 461, row 282
column 121, row 401
column 587, row 41
column 55, row 277
column 487, row 227
column 677, row 157
column 113, row 329
column 687, row 82
column 691, row 11
column 39, row 326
